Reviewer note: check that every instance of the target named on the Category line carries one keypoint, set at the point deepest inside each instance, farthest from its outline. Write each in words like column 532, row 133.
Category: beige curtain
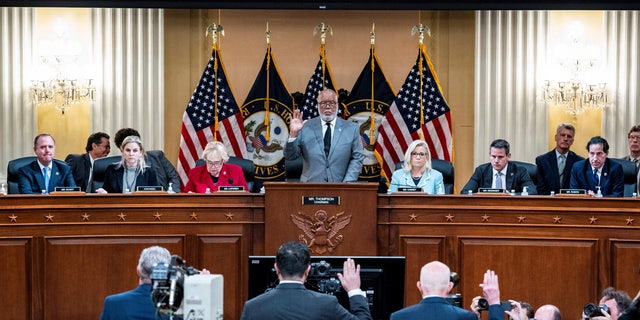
column 510, row 51
column 17, row 116
column 128, row 48
column 622, row 41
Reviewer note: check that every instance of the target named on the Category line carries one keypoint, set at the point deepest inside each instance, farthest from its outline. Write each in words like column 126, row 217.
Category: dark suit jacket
column 200, row 179
column 516, row 178
column 31, row 180
column 548, row 175
column 435, row 308
column 611, row 178
column 113, row 178
column 291, row 301
column 134, row 304
column 165, row 171
column 345, row 156
column 80, row 167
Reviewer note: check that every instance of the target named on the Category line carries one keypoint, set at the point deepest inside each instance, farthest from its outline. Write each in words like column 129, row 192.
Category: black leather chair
column 445, row 167
column 293, row 170
column 99, row 167
column 630, row 178
column 532, row 169
column 12, row 172
column 248, row 169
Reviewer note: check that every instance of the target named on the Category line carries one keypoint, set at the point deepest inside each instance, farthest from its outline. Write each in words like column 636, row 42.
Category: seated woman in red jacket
column 216, row 172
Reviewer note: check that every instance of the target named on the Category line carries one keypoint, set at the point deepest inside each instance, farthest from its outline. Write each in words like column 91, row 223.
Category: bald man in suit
column 330, row 147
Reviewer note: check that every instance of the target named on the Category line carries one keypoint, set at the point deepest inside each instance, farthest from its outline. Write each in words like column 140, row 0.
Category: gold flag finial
column 421, row 30
column 268, row 34
column 373, row 34
column 323, row 29
column 215, row 29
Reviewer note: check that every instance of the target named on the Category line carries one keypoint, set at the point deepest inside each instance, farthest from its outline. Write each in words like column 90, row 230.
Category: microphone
column 230, row 181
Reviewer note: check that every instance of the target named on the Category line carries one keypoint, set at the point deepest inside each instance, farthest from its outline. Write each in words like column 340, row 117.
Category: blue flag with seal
column 267, row 109
column 369, row 100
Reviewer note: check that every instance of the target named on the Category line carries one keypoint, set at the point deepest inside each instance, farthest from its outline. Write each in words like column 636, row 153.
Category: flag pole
column 215, row 29
column 267, row 102
column 372, row 128
column 323, row 29
column 421, row 29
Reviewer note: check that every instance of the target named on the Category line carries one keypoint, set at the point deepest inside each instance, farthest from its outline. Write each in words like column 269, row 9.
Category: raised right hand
column 296, row 123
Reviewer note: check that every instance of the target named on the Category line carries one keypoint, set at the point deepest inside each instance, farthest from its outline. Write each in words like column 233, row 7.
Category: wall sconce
column 576, row 83
column 60, row 84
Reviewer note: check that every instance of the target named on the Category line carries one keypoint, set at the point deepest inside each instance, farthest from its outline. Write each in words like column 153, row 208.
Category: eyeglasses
column 327, row 104
column 214, row 164
column 418, row 154
column 634, row 137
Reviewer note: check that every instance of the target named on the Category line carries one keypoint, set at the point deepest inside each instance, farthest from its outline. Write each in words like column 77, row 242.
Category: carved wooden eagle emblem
column 320, row 232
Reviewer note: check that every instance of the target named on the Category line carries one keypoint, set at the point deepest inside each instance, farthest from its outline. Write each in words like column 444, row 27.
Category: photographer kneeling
column 291, row 300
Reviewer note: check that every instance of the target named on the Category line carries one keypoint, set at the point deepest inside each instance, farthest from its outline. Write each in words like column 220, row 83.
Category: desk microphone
column 230, row 181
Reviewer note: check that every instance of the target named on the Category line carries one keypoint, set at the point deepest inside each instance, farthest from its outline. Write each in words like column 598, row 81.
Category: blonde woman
column 131, row 172
column 416, row 171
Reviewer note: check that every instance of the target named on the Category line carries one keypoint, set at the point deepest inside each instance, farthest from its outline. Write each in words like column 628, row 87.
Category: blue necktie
column 596, row 180
column 45, row 171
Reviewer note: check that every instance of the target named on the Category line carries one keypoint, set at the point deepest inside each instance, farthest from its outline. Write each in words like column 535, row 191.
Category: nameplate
column 321, row 200
column 490, row 190
column 231, row 188
column 66, row 189
column 409, row 189
column 149, row 188
column 573, row 191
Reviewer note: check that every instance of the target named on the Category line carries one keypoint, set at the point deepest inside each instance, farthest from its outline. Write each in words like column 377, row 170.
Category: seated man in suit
column 330, row 147
column 98, row 146
column 291, row 300
column 633, row 140
column 500, row 173
column 137, row 303
column 598, row 171
column 554, row 167
column 165, row 171
column 44, row 174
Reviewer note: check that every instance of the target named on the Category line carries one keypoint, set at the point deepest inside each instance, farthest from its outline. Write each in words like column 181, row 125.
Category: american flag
column 310, row 106
column 198, row 121
column 402, row 123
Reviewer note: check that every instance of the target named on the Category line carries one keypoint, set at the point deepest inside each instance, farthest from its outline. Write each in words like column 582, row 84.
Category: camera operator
column 518, row 310
column 136, row 303
column 610, row 307
column 291, row 300
column 434, row 285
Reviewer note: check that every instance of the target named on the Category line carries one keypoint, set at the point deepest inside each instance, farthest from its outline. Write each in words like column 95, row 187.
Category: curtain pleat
column 129, row 44
column 510, row 51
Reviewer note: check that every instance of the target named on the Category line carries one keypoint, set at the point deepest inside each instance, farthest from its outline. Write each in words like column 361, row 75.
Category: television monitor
column 382, row 279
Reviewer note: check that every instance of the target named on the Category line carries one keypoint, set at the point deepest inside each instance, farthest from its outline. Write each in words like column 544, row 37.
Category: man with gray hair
column 554, row 167
column 136, row 303
column 434, row 285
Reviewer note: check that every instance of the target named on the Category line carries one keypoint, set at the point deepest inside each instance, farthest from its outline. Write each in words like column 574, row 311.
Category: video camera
column 454, row 298
column 322, row 279
column 172, row 283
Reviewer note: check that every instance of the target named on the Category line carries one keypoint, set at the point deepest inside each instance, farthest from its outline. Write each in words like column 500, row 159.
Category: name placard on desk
column 231, row 188
column 66, row 191
column 321, row 200
column 573, row 191
column 490, row 190
column 409, row 189
column 149, row 188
